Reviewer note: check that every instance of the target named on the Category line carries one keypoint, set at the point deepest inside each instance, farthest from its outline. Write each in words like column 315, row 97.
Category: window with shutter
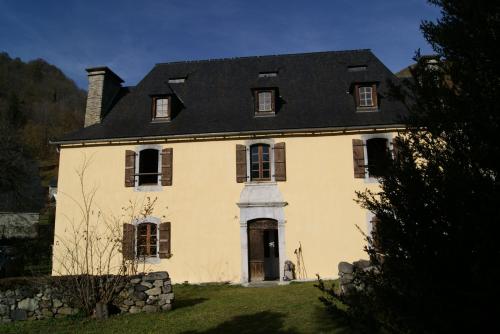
column 147, row 240
column 378, row 156
column 260, row 166
column 148, row 167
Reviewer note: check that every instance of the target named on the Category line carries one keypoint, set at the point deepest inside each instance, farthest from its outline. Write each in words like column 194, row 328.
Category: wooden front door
column 263, row 255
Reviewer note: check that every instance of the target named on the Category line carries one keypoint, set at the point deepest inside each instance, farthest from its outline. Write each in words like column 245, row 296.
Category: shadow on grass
column 258, row 323
column 331, row 321
column 180, row 303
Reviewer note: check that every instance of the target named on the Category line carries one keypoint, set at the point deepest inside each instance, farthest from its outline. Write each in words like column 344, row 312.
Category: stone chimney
column 104, row 85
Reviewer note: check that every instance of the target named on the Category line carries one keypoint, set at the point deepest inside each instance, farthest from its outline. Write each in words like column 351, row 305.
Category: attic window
column 357, row 68
column 366, row 97
column 268, row 74
column 176, row 80
column 161, row 107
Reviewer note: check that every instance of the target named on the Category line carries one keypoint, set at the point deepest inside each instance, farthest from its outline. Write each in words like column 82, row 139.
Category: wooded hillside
column 37, row 102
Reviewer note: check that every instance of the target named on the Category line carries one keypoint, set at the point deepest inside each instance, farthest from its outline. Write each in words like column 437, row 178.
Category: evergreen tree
column 435, row 248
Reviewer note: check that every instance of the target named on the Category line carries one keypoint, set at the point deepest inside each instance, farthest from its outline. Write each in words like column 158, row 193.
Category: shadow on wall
column 257, row 323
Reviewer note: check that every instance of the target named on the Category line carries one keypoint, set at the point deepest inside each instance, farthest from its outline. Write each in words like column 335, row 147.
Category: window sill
column 148, row 188
column 265, row 114
column 367, row 109
column 256, row 183
column 150, row 260
column 371, row 180
column 161, row 120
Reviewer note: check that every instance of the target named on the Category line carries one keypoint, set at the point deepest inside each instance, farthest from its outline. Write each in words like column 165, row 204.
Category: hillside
column 37, row 102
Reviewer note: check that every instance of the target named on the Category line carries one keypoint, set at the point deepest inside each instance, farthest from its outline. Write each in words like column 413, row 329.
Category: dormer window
column 366, row 97
column 265, row 102
column 161, row 107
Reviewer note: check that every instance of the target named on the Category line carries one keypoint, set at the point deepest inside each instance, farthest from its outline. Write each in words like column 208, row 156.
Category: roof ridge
column 263, row 56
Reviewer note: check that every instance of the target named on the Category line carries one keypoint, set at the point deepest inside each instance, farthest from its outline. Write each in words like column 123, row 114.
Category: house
column 254, row 161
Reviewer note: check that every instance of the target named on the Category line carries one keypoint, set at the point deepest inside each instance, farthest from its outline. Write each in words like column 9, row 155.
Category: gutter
column 235, row 135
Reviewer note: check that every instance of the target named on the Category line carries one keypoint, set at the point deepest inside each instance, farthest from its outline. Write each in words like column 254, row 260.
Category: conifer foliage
column 435, row 249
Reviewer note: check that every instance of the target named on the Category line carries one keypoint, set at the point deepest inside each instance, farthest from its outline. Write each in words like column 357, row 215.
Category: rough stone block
column 128, row 302
column 142, row 288
column 345, row 267
column 67, row 311
column 153, row 292
column 28, row 304
column 134, row 309
column 361, row 264
column 144, row 283
column 140, row 303
column 57, row 303
column 156, row 276
column 158, row 283
column 139, row 295
column 135, row 280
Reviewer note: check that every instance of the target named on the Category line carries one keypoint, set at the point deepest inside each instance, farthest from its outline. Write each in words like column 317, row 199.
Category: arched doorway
column 263, row 250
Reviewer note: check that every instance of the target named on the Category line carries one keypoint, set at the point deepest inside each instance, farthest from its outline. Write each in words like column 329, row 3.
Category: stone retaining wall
column 346, row 271
column 18, row 225
column 22, row 298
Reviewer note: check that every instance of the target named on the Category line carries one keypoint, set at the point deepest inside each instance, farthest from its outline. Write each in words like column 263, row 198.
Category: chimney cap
column 104, row 70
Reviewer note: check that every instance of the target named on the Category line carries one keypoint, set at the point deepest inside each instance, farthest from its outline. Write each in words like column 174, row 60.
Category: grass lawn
column 293, row 308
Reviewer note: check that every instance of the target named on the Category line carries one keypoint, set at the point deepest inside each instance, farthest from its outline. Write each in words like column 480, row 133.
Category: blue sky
column 131, row 36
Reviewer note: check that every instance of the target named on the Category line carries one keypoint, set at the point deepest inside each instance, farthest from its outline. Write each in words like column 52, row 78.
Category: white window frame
column 264, row 103
column 153, row 187
column 166, row 100
column 152, row 220
column 363, row 100
column 389, row 136
column 269, row 142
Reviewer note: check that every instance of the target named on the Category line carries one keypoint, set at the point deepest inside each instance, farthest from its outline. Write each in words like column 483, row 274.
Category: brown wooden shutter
column 166, row 166
column 374, row 95
column 374, row 222
column 128, row 242
column 129, row 168
column 165, row 241
column 279, row 162
column 241, row 163
column 395, row 148
column 273, row 100
column 256, row 100
column 356, row 95
column 358, row 155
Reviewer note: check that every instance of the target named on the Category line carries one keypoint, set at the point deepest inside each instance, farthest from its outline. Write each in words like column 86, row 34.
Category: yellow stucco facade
column 321, row 214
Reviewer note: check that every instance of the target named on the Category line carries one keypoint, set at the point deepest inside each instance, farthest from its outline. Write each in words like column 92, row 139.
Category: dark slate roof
column 217, row 96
